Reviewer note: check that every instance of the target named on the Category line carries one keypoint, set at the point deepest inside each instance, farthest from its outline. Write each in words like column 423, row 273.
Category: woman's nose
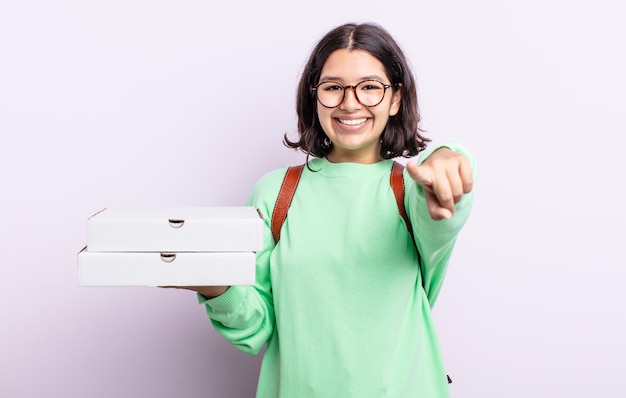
column 350, row 100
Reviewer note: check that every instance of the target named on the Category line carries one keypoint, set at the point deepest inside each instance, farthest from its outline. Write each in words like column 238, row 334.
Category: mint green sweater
column 339, row 301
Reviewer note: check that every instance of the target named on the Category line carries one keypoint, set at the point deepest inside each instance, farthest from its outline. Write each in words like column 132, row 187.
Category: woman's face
column 353, row 128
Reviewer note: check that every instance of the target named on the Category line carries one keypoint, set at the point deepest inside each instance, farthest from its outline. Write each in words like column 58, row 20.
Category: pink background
column 116, row 103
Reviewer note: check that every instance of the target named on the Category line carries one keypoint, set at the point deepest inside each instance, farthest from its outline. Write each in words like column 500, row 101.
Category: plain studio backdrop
column 185, row 103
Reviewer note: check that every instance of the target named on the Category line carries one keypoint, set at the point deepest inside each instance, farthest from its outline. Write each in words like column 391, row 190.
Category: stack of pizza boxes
column 180, row 246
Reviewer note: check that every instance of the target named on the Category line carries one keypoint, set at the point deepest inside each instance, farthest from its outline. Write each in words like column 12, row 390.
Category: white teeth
column 353, row 122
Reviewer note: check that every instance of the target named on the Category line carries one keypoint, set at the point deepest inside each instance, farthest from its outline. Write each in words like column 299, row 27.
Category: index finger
column 420, row 174
column 443, row 190
column 467, row 176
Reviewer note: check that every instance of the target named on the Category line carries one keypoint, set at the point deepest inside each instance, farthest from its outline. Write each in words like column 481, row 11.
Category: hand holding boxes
column 179, row 246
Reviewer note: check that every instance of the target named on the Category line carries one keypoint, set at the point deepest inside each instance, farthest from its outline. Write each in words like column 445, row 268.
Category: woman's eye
column 333, row 87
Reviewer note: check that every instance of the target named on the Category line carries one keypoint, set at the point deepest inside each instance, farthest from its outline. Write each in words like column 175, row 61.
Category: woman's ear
column 395, row 101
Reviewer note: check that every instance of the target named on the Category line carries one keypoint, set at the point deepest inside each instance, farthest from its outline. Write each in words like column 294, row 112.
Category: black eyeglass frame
column 353, row 87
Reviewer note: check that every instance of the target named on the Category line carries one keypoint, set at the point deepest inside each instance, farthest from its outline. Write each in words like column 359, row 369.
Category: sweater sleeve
column 244, row 315
column 435, row 239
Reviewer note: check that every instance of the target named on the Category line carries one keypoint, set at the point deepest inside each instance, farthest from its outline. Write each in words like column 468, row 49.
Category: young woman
column 341, row 301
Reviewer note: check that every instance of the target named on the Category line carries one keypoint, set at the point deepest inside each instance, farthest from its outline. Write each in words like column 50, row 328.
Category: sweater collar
column 350, row 170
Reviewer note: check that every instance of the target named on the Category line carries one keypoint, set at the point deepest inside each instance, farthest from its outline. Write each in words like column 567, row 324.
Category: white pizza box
column 165, row 269
column 175, row 229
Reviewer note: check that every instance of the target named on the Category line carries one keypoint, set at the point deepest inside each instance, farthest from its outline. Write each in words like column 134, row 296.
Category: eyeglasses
column 368, row 92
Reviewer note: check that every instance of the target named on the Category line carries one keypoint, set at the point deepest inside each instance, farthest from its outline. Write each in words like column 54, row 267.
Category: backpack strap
column 285, row 195
column 397, row 185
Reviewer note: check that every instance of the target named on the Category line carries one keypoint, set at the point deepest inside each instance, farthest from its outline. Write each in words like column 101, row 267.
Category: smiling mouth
column 352, row 122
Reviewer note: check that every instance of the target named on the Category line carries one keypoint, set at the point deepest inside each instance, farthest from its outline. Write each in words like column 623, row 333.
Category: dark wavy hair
column 402, row 135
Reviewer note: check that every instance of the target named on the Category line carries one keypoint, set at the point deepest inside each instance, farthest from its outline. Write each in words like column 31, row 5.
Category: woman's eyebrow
column 330, row 78
column 340, row 80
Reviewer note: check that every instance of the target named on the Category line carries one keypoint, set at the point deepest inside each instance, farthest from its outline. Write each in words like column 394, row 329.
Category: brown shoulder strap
column 285, row 195
column 397, row 185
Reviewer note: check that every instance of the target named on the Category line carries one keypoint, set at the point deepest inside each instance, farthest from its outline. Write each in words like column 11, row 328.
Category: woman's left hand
column 445, row 176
